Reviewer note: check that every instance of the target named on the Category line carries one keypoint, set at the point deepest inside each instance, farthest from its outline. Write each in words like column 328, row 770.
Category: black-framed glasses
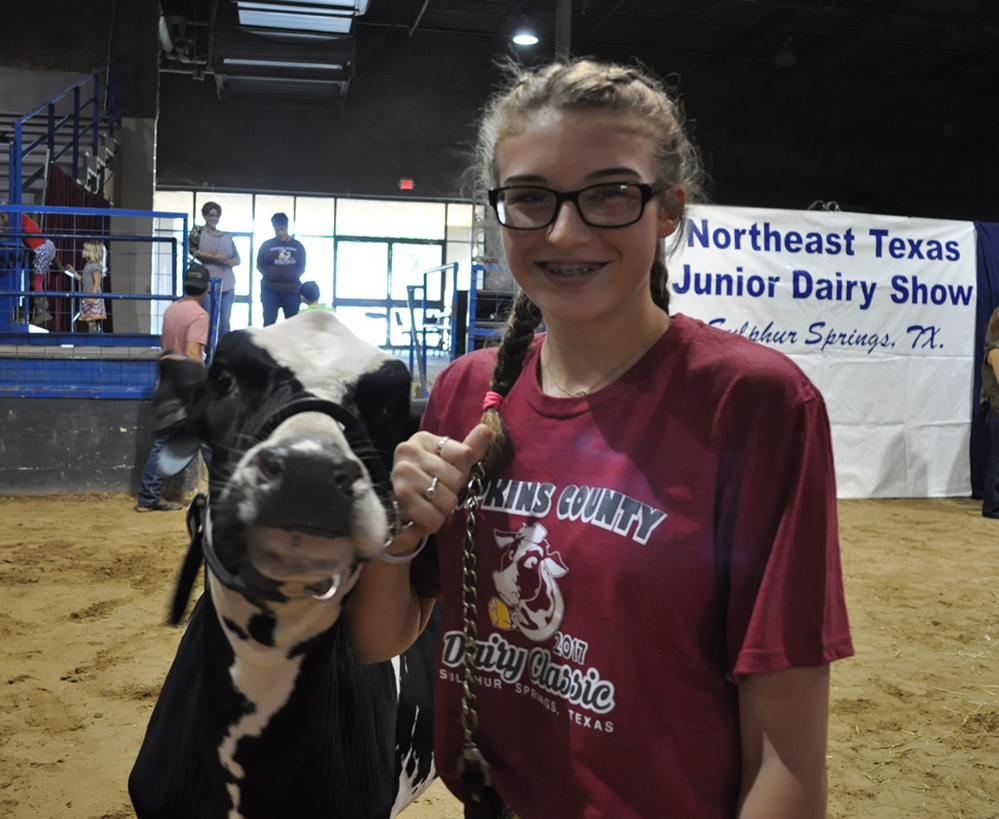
column 607, row 205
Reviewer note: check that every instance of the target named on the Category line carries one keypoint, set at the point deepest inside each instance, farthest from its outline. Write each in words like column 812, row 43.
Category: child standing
column 656, row 553
column 92, row 310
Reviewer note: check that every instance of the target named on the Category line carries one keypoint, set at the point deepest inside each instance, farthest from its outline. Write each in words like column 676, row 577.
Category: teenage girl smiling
column 658, row 518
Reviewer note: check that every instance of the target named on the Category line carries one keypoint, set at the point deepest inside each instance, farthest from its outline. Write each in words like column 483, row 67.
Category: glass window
column 377, row 217
column 367, row 323
column 400, row 331
column 362, row 270
column 459, row 243
column 314, row 216
column 239, row 318
column 244, row 269
column 237, row 209
column 319, row 263
column 266, row 206
column 459, row 219
column 409, row 262
column 175, row 202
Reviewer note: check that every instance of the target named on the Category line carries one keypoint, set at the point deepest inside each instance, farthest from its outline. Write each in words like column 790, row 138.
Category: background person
column 659, row 586
column 989, row 400
column 92, row 311
column 309, row 293
column 43, row 259
column 185, row 331
column 281, row 262
column 216, row 250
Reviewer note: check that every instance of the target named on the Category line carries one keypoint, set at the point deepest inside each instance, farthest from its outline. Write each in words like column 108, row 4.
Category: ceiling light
column 525, row 37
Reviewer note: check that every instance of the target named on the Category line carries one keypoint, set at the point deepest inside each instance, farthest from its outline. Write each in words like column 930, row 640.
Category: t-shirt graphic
column 529, row 598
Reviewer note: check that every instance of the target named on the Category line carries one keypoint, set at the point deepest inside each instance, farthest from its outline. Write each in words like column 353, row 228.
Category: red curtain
column 68, row 232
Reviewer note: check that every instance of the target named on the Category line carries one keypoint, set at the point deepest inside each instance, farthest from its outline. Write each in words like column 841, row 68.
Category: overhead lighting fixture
column 524, row 35
column 325, row 23
column 240, row 61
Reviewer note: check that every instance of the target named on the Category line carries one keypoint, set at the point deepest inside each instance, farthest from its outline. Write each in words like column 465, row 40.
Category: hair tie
column 492, row 401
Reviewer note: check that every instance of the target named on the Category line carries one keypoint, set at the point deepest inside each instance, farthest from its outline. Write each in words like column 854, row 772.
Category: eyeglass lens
column 602, row 205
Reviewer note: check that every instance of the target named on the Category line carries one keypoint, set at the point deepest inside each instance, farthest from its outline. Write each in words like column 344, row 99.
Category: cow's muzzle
column 281, row 484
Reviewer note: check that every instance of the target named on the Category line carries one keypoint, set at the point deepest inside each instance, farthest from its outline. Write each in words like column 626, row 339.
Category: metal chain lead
column 470, row 615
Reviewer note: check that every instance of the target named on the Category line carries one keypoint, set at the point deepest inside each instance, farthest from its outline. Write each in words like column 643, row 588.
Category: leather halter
column 201, row 546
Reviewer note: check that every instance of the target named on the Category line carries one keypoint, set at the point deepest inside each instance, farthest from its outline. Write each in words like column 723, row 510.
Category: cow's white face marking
column 324, row 355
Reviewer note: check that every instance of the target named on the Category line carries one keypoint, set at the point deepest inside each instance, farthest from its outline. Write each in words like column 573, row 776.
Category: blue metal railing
column 89, row 117
column 15, row 274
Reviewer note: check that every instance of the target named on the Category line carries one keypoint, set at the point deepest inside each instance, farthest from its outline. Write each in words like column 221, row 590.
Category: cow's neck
column 286, row 625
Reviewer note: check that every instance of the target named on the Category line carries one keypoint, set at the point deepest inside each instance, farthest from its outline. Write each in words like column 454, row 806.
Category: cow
column 266, row 711
column 526, row 580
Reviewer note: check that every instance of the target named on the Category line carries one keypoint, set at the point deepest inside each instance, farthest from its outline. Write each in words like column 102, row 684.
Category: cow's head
column 302, row 419
column 526, row 580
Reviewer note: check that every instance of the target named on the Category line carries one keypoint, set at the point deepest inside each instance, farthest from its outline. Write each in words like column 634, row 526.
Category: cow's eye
column 223, row 384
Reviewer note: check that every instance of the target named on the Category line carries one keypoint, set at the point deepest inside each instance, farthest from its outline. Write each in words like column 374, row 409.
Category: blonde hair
column 93, row 251
column 582, row 85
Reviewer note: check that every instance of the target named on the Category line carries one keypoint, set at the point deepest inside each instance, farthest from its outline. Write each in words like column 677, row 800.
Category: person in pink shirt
column 185, row 331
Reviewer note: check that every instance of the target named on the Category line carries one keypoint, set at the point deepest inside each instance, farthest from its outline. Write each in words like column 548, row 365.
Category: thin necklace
column 605, row 378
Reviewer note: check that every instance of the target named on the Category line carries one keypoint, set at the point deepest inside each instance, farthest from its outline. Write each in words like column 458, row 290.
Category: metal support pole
column 563, row 29
column 15, row 165
column 76, row 132
column 51, row 132
column 97, row 111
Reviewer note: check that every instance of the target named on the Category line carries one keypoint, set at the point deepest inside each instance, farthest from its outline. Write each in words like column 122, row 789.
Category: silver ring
column 440, row 445
column 431, row 492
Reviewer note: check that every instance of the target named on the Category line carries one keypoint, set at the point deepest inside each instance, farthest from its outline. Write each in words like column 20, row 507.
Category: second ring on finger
column 431, row 492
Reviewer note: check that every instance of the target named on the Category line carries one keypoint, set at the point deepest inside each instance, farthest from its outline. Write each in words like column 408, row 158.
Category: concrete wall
column 69, row 445
column 81, row 37
column 133, row 184
column 22, row 89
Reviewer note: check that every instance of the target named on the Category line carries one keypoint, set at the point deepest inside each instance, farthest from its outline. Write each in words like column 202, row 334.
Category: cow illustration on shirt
column 529, row 597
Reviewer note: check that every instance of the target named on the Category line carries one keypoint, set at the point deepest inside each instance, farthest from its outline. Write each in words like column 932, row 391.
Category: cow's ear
column 382, row 399
column 177, row 410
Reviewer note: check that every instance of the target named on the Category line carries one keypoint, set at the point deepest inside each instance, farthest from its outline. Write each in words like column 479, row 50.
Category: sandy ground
column 84, row 582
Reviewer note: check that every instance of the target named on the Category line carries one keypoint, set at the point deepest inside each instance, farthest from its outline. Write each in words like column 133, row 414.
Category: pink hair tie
column 492, row 401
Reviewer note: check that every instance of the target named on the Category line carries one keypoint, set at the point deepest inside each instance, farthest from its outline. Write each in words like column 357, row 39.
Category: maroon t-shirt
column 646, row 548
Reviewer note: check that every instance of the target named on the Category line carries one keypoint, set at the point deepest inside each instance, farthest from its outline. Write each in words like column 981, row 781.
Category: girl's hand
column 427, row 460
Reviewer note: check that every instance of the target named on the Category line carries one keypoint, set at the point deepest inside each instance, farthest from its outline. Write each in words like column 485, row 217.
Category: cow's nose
column 273, row 463
column 306, row 482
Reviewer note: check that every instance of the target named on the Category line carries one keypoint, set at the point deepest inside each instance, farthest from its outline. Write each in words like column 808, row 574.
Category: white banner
column 879, row 311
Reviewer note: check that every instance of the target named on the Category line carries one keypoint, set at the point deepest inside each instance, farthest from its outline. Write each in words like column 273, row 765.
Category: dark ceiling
column 789, row 100
column 956, row 39
column 939, row 40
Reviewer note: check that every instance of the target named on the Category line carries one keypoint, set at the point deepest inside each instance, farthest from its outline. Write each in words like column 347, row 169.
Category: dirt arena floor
column 84, row 582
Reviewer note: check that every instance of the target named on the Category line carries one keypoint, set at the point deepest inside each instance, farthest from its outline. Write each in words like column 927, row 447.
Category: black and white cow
column 266, row 711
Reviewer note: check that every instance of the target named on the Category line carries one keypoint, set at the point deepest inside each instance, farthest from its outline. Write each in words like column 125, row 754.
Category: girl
column 92, row 311
column 216, row 250
column 656, row 558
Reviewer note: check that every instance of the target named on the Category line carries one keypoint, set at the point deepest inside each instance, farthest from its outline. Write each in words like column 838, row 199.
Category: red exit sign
column 406, row 184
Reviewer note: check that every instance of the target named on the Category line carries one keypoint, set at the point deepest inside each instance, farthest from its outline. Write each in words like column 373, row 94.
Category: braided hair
column 580, row 85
